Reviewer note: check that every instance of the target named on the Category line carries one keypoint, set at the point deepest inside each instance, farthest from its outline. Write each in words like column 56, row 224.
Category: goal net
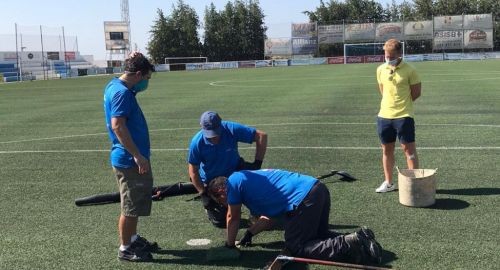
column 362, row 51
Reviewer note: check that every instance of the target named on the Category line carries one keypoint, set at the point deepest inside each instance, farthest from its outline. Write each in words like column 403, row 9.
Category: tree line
column 238, row 32
column 235, row 33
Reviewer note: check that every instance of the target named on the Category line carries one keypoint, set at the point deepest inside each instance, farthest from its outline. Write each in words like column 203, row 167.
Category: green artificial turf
column 54, row 149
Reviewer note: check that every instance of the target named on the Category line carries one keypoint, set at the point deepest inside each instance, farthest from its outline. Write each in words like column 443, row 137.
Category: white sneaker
column 385, row 187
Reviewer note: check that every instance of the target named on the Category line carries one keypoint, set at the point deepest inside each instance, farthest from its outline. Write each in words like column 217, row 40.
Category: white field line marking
column 270, row 124
column 365, row 76
column 252, row 148
column 55, row 138
column 86, row 135
column 221, row 83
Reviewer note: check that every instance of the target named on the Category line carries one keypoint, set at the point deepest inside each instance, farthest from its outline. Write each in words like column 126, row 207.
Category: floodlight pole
column 45, row 76
column 21, row 59
column 68, row 68
column 17, row 57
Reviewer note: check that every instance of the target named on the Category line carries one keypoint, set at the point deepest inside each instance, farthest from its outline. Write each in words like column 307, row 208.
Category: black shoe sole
column 135, row 260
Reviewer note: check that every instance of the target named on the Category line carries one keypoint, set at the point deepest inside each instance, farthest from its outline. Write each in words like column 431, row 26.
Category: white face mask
column 392, row 62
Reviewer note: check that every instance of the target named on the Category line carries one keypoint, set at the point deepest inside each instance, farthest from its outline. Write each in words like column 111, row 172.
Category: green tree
column 452, row 7
column 365, row 10
column 254, row 31
column 185, row 23
column 235, row 33
column 175, row 35
column 160, row 37
column 424, row 9
column 407, row 11
column 349, row 11
column 212, row 40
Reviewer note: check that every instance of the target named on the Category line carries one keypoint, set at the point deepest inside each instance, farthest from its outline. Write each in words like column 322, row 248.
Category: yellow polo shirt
column 396, row 95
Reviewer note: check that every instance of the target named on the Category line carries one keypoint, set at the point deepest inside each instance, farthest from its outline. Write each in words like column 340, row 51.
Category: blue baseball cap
column 210, row 123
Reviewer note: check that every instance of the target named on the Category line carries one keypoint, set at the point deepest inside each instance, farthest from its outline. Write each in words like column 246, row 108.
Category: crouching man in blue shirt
column 305, row 204
column 213, row 152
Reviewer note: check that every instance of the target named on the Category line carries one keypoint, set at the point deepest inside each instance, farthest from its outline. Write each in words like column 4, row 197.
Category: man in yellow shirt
column 400, row 86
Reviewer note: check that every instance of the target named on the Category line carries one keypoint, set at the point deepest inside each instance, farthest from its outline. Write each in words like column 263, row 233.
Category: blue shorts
column 402, row 128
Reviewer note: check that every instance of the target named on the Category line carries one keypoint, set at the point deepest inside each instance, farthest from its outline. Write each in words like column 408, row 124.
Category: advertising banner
column 444, row 40
column 448, row 22
column 305, row 30
column 478, row 39
column 299, row 62
column 385, row 31
column 280, row 63
column 478, row 21
column 263, row 63
column 318, row 61
column 433, row 57
column 360, row 32
column 69, row 56
column 10, row 56
column 203, row 66
column 304, row 46
column 418, row 30
column 335, row 60
column 277, row 47
column 374, row 58
column 194, row 66
column 354, row 59
column 227, row 65
column 330, row 34
column 163, row 67
column 414, row 58
column 31, row 56
column 246, row 64
column 53, row 55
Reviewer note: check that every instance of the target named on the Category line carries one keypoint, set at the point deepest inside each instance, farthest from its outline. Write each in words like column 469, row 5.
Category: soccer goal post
column 366, row 49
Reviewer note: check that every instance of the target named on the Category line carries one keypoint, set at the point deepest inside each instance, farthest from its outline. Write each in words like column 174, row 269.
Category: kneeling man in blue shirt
column 305, row 204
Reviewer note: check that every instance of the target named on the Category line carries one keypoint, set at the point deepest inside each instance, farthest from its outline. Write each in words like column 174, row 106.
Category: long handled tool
column 158, row 193
column 281, row 260
column 345, row 176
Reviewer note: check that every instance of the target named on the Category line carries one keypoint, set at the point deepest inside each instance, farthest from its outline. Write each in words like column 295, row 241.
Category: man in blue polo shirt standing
column 130, row 153
column 213, row 152
column 305, row 204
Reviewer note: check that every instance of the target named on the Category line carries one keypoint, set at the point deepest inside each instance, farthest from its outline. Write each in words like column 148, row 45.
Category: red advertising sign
column 246, row 64
column 374, row 58
column 69, row 56
column 354, row 59
column 335, row 60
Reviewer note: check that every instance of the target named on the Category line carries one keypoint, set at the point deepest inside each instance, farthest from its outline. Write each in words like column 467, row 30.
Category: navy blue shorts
column 402, row 128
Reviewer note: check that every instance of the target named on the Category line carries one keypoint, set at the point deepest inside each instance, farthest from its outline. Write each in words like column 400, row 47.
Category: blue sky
column 84, row 19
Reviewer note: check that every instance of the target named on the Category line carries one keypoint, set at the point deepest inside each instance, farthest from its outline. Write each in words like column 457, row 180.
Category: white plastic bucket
column 417, row 187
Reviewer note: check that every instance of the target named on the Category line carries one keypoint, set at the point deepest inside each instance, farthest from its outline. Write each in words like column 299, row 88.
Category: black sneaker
column 372, row 247
column 145, row 245
column 134, row 254
column 368, row 233
column 356, row 252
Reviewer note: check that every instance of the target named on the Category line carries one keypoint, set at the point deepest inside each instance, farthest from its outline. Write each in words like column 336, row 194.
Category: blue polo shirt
column 119, row 101
column 219, row 159
column 268, row 192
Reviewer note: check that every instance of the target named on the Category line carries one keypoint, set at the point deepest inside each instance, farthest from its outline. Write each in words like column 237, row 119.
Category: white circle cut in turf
column 198, row 242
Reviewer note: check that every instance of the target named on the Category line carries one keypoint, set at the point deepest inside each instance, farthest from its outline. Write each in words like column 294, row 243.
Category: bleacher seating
column 35, row 70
